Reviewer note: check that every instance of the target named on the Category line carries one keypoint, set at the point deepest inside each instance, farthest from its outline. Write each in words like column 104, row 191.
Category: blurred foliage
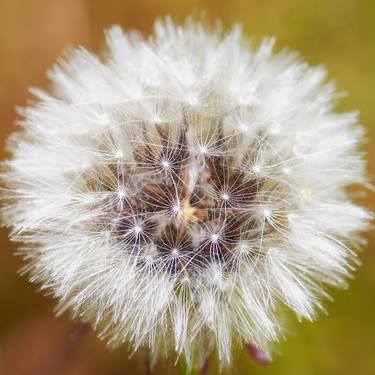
column 337, row 33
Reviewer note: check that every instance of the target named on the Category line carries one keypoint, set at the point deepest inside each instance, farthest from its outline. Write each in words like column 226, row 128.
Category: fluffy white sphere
column 178, row 191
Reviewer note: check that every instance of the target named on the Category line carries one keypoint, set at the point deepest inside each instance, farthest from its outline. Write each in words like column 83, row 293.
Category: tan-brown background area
column 339, row 34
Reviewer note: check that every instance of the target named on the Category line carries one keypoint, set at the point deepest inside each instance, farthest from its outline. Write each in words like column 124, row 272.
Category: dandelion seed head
column 179, row 190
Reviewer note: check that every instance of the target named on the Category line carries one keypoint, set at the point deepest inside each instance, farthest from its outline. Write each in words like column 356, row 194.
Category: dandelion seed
column 207, row 215
column 121, row 194
column 119, row 154
column 243, row 127
column 137, row 229
column 166, row 164
column 203, row 149
column 267, row 213
column 215, row 238
column 225, row 196
column 256, row 168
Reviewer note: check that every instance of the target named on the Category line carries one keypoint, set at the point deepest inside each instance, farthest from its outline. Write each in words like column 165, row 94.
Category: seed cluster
column 180, row 206
column 177, row 192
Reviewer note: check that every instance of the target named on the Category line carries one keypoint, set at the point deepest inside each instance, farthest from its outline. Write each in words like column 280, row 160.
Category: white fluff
column 66, row 185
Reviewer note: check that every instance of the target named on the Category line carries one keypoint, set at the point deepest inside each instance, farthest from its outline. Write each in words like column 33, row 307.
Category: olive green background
column 338, row 34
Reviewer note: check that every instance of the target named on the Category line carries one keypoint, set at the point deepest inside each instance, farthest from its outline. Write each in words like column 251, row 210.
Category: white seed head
column 219, row 174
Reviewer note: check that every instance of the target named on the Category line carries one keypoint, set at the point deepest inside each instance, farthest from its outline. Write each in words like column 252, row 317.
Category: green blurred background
column 339, row 34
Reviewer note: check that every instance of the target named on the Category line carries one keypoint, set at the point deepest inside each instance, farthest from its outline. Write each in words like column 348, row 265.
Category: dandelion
column 179, row 191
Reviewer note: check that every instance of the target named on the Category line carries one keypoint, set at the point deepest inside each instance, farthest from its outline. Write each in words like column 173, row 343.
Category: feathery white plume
column 178, row 191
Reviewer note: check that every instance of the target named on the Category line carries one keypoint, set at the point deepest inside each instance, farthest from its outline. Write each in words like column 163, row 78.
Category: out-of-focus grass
column 337, row 33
